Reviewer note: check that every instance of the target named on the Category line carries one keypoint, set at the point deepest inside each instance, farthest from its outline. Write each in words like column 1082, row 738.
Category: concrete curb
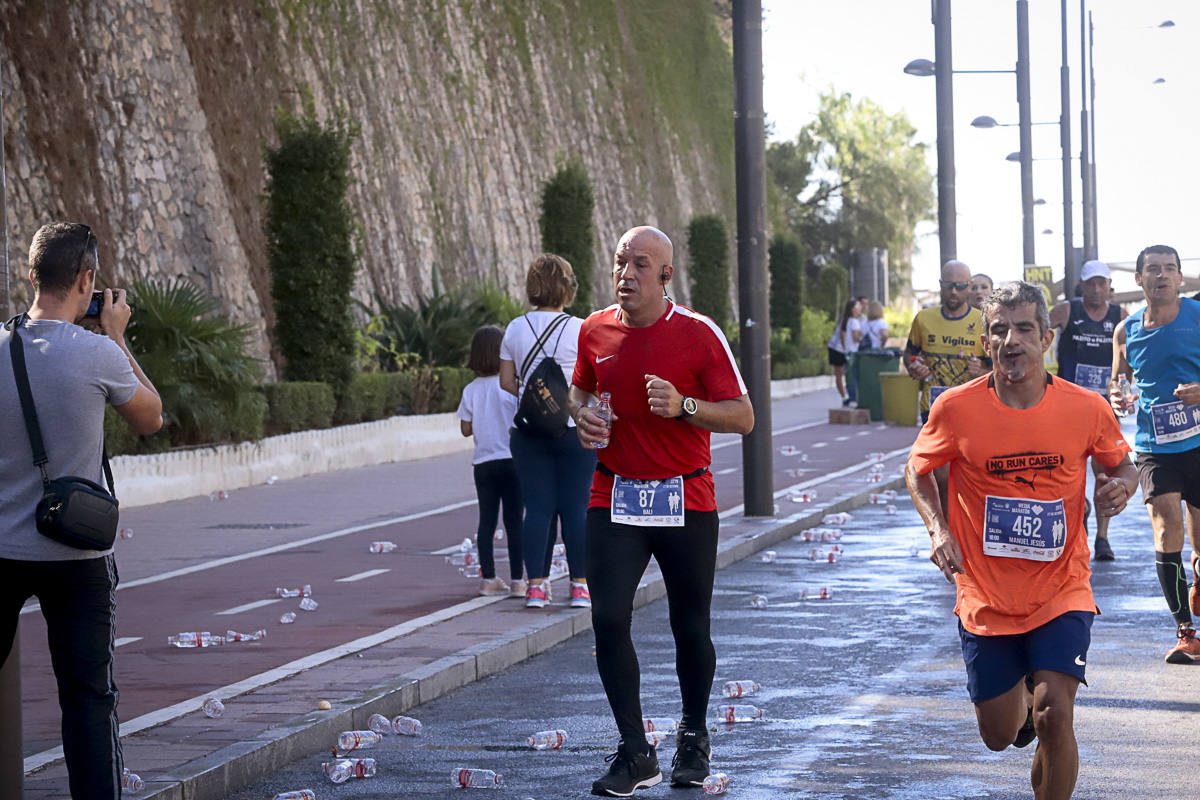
column 227, row 770
column 162, row 477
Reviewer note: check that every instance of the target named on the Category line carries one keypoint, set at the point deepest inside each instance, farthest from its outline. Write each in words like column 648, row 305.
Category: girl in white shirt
column 486, row 412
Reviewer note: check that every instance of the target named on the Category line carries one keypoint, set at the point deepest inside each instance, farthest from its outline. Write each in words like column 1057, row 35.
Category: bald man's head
column 652, row 239
column 955, row 285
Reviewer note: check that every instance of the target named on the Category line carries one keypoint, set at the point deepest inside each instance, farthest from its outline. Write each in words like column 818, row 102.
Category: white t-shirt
column 877, row 330
column 846, row 344
column 490, row 410
column 521, row 335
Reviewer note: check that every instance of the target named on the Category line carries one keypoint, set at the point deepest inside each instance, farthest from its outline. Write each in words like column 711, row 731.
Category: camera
column 97, row 304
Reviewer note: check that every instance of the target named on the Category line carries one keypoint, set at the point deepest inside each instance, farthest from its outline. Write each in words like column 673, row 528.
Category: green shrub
column 450, row 384
column 198, row 362
column 120, row 440
column 831, row 291
column 786, row 266
column 298, row 406
column 708, row 256
column 783, row 348
column 816, row 330
column 438, row 329
column 311, row 236
column 499, row 306
column 364, row 400
column 566, row 227
column 800, row 368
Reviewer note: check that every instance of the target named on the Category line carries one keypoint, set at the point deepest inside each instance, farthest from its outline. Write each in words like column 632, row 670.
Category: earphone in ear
column 664, row 277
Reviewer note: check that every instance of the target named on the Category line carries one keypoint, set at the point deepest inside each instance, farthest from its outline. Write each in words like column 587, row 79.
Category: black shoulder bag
column 543, row 409
column 73, row 511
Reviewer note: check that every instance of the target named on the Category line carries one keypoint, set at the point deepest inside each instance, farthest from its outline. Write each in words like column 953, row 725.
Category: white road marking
column 287, row 670
column 362, row 575
column 726, row 471
column 776, row 432
column 863, row 433
column 279, row 548
column 123, row 640
column 249, row 606
column 815, row 445
column 840, row 438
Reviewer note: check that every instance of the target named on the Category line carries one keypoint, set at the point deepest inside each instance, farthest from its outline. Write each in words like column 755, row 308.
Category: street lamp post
column 944, row 90
column 1028, row 250
column 1089, row 235
column 1070, row 268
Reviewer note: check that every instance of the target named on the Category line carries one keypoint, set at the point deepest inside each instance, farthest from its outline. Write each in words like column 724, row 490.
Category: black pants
column 79, row 604
column 496, row 482
column 617, row 556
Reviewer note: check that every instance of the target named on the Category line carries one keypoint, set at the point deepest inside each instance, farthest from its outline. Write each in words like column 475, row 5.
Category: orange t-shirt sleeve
column 935, row 444
column 1108, row 446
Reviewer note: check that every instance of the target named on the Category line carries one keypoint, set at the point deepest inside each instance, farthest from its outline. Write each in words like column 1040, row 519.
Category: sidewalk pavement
column 191, row 756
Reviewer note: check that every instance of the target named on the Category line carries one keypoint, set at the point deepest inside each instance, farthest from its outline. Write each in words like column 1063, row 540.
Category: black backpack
column 543, row 409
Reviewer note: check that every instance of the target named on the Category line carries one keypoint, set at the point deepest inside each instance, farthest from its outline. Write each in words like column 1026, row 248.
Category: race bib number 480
column 1015, row 527
column 658, row 503
column 1173, row 422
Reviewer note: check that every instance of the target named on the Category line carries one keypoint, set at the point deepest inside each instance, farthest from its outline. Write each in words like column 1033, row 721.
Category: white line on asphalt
column 360, row 576
column 819, row 444
column 248, row 606
column 38, row 760
column 726, row 471
column 279, row 548
column 840, row 438
column 776, row 432
column 123, row 640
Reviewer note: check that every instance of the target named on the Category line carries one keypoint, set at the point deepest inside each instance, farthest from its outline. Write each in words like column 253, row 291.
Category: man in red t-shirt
column 672, row 380
column 1015, row 541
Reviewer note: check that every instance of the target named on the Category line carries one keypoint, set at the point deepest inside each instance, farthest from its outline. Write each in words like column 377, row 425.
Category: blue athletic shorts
column 996, row 664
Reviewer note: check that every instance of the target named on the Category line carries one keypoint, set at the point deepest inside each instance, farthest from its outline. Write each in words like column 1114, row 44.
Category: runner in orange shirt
column 1015, row 542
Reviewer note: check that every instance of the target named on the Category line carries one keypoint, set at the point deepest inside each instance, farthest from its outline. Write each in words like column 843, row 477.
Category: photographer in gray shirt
column 73, row 374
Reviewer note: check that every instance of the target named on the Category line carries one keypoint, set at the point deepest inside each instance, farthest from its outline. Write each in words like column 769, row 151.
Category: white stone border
column 145, row 480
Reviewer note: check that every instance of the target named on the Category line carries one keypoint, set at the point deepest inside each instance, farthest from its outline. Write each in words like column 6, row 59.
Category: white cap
column 1093, row 269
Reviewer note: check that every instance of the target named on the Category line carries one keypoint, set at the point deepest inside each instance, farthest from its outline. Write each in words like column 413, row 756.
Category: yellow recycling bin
column 901, row 396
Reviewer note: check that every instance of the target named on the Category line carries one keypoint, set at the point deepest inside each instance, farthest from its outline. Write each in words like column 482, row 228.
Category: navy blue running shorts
column 996, row 664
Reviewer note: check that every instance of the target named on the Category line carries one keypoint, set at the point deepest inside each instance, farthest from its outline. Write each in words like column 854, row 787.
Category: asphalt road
column 201, row 565
column 863, row 694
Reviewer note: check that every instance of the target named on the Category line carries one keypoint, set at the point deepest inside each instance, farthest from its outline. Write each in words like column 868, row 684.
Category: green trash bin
column 868, row 364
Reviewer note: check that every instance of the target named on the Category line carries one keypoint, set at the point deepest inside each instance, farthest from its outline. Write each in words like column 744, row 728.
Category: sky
column 1144, row 131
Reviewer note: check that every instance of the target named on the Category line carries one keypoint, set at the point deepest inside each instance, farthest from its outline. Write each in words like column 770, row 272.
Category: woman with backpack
column 537, row 358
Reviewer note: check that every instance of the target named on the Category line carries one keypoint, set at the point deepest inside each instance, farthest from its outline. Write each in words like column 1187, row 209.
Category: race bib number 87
column 648, row 502
column 1015, row 527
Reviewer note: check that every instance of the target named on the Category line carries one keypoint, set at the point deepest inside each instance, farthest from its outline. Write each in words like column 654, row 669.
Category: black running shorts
column 1167, row 473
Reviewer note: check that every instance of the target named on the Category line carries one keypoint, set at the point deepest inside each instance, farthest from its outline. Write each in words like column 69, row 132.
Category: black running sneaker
column 1026, row 734
column 628, row 773
column 692, row 752
column 1103, row 550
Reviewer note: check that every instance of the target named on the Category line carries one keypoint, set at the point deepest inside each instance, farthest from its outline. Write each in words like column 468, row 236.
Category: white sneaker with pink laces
column 580, row 596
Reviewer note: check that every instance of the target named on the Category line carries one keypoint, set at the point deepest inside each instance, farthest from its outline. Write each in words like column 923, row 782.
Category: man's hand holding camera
column 114, row 315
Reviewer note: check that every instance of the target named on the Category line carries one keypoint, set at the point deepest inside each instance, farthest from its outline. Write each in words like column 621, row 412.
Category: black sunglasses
column 958, row 286
column 83, row 253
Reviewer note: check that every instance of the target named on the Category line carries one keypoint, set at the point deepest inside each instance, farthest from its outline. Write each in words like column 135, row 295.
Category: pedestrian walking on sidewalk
column 553, row 468
column 486, row 412
column 1158, row 348
column 843, row 344
column 1087, row 324
column 672, row 380
column 72, row 375
column 1015, row 542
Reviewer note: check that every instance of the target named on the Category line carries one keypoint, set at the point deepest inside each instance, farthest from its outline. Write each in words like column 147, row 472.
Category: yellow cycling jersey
column 945, row 344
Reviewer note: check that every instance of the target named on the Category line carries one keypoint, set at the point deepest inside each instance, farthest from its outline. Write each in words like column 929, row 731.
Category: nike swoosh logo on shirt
column 606, row 358
column 1080, row 661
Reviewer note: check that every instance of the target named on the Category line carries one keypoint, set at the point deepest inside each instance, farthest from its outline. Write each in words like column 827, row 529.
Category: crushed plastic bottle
column 195, row 639
column 890, row 509
column 358, row 740
column 759, row 601
column 840, row 518
column 716, row 783
column 234, row 636
column 343, row 769
column 475, row 779
column 804, row 497
column 303, row 591
column 406, row 726
column 308, row 604
column 547, row 740
column 473, row 571
column 740, row 688
column 728, row 714
column 604, row 412
column 288, row 618
column 126, row 533
column 131, row 781
column 213, row 708
column 659, row 724
column 788, row 450
column 381, row 547
column 655, row 738
column 559, row 551
column 875, row 477
column 878, row 499
column 875, row 455
column 890, row 494
column 767, row 556
column 820, row 535
column 463, row 558
column 820, row 554
column 379, row 723
column 499, row 536
column 219, row 496
column 301, row 794
column 816, row 593
column 271, row 481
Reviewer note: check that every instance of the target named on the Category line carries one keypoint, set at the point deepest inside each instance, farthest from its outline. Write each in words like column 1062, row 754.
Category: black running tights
column 617, row 556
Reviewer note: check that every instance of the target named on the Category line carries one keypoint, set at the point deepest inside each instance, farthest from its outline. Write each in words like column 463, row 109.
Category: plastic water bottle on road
column 655, row 738
column 767, row 557
column 604, row 412
column 547, row 740
column 473, row 571
column 301, row 794
column 733, row 713
column 288, row 618
column 126, row 533
column 357, row 740
column 716, row 783
column 759, row 601
column 213, row 708
column 308, row 604
column 379, row 723
column 303, row 591
column 234, row 636
column 740, row 688
column 475, row 779
column 804, row 497
column 344, row 769
column 659, row 724
column 406, row 726
column 816, row 593
column 463, row 558
column 195, row 639
column 381, row 547
column 131, row 782
column 840, row 518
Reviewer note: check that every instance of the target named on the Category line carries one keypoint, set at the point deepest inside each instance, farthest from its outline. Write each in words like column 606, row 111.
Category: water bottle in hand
column 604, row 412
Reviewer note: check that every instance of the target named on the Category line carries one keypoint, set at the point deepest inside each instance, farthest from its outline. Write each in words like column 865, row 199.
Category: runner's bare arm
column 1119, row 367
column 735, row 415
column 1188, row 393
column 943, row 550
column 508, row 377
column 1114, row 487
column 588, row 426
column 1060, row 314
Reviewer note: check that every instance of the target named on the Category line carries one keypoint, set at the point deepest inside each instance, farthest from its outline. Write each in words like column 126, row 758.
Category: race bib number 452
column 1016, row 527
column 658, row 503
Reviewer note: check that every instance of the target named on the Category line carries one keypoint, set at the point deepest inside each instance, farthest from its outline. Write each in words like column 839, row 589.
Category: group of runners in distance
column 1005, row 504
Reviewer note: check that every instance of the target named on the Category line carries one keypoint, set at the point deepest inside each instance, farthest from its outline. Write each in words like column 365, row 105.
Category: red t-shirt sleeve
column 935, row 443
column 720, row 377
column 1108, row 444
column 584, row 375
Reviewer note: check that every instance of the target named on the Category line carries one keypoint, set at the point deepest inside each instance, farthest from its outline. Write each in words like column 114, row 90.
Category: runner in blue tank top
column 1086, row 325
column 1159, row 346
